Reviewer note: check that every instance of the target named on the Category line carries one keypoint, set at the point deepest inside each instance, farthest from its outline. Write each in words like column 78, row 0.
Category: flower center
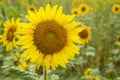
column 75, row 12
column 50, row 37
column 83, row 34
column 116, row 9
column 119, row 39
column 10, row 34
column 83, row 8
column 31, row 9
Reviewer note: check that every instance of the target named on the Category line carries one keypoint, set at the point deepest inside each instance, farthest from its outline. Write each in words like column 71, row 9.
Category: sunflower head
column 83, row 9
column 96, row 5
column 84, row 34
column 118, row 38
column 75, row 2
column 88, row 71
column 75, row 11
column 9, row 36
column 96, row 78
column 50, row 36
column 22, row 1
column 31, row 8
column 116, row 8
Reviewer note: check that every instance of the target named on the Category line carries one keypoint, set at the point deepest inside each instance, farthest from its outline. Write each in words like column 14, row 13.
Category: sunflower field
column 59, row 39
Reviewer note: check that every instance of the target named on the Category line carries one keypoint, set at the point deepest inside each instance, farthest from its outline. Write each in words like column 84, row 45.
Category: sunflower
column 84, row 33
column 9, row 36
column 23, row 1
column 48, row 37
column 96, row 5
column 76, row 2
column 75, row 11
column 83, row 9
column 96, row 78
column 116, row 8
column 31, row 8
column 118, row 38
column 88, row 71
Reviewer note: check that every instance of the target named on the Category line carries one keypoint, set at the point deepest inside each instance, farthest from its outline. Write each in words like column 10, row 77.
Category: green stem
column 44, row 73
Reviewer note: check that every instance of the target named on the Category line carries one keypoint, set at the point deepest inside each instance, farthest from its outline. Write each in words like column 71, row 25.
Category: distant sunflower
column 118, row 38
column 116, row 8
column 48, row 38
column 23, row 1
column 88, row 71
column 96, row 78
column 96, row 5
column 31, row 8
column 75, row 2
column 75, row 11
column 9, row 36
column 84, row 33
column 83, row 9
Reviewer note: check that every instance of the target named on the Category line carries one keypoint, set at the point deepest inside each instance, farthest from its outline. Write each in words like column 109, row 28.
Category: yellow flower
column 31, row 8
column 9, row 36
column 104, row 4
column 96, row 78
column 118, row 38
column 84, row 33
column 22, row 1
column 22, row 65
column 87, row 71
column 48, row 38
column 75, row 2
column 75, row 11
column 116, row 8
column 83, row 9
column 96, row 5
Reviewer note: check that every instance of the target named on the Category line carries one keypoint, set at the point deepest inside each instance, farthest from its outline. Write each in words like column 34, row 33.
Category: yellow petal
column 48, row 11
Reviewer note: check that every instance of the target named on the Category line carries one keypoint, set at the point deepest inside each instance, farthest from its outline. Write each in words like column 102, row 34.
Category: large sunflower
column 84, row 33
column 9, row 36
column 116, row 8
column 48, row 38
